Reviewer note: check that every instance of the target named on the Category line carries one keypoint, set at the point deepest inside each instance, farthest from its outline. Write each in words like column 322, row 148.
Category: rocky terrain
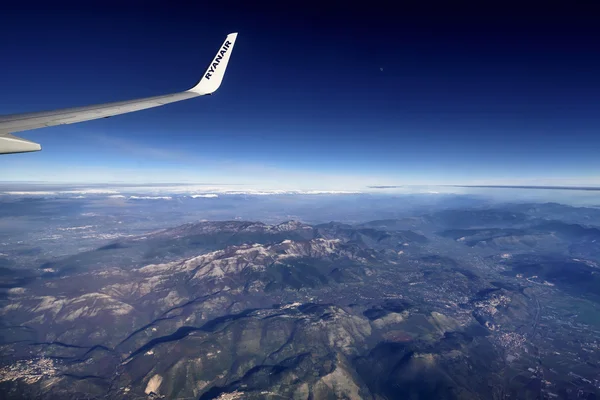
column 447, row 306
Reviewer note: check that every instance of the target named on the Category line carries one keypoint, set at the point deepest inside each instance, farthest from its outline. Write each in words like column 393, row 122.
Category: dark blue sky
column 314, row 96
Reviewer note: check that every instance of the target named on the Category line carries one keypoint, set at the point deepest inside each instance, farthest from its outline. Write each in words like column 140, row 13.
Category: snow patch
column 16, row 290
column 293, row 305
column 154, row 384
column 75, row 228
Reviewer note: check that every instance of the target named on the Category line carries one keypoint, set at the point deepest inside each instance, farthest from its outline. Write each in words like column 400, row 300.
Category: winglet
column 212, row 78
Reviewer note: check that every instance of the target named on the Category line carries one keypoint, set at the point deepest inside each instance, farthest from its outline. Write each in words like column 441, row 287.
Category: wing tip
column 212, row 78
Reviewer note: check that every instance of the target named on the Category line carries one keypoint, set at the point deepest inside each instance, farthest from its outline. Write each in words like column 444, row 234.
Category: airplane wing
column 210, row 82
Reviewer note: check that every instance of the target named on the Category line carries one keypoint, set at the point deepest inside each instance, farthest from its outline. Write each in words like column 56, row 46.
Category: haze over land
column 136, row 292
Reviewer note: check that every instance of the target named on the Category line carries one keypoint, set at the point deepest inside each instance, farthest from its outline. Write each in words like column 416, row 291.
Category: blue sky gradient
column 323, row 98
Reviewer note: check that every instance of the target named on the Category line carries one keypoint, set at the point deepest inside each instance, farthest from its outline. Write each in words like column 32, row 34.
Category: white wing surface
column 209, row 83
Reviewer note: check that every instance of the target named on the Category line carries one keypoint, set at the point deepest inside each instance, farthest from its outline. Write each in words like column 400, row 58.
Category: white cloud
column 31, row 193
column 150, row 198
column 79, row 192
column 89, row 191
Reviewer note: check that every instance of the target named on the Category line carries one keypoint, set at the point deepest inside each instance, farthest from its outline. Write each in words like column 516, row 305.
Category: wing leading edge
column 209, row 83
